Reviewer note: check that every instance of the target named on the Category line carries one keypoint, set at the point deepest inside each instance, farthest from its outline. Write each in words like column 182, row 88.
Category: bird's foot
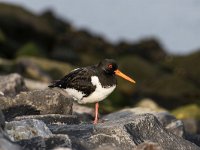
column 95, row 121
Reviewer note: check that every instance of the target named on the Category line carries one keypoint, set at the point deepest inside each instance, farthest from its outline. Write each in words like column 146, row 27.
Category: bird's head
column 109, row 66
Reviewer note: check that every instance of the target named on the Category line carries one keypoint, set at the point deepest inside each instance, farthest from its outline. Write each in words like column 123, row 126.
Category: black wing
column 79, row 79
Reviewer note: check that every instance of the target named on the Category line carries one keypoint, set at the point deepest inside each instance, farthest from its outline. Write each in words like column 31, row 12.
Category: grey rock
column 84, row 113
column 46, row 143
column 62, row 148
column 52, row 119
column 35, row 85
column 58, row 140
column 126, row 132
column 36, row 143
column 194, row 138
column 46, row 101
column 81, row 109
column 26, row 129
column 11, row 85
column 29, row 68
column 165, row 118
column 148, row 145
column 192, row 126
column 6, row 144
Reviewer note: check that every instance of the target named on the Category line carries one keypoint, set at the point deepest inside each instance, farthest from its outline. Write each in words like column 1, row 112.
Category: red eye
column 110, row 66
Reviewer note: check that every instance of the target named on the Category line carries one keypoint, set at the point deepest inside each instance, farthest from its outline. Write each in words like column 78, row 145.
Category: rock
column 62, row 148
column 6, row 144
column 58, row 140
column 42, row 69
column 194, row 138
column 35, row 85
column 52, row 119
column 26, row 129
column 126, row 132
column 148, row 145
column 47, row 101
column 84, row 113
column 11, row 85
column 33, row 143
column 46, row 143
column 166, row 119
column 149, row 103
column 81, row 109
column 32, row 70
column 191, row 126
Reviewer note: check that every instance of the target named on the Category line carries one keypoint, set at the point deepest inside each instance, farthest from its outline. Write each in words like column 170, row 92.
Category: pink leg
column 96, row 113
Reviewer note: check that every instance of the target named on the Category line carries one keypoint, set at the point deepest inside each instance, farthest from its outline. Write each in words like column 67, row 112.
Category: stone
column 191, row 126
column 46, row 143
column 126, row 132
column 148, row 145
column 11, row 85
column 52, row 119
column 26, row 129
column 6, row 144
column 58, row 140
column 48, row 101
column 33, row 143
column 149, row 103
column 84, row 113
column 27, row 67
column 35, row 85
column 194, row 138
column 62, row 148
column 165, row 118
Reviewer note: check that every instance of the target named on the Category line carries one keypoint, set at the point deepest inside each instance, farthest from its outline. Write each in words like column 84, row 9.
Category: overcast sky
column 176, row 23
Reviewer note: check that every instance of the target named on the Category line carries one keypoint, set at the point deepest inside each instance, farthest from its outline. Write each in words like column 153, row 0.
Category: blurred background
column 155, row 42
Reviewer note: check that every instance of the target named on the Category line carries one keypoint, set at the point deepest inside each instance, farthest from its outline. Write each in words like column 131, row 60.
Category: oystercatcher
column 91, row 84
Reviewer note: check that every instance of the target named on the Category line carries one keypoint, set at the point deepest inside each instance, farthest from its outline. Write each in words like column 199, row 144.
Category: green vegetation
column 30, row 49
column 188, row 111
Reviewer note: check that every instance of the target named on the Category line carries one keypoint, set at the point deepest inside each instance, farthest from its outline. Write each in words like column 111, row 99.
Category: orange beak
column 119, row 73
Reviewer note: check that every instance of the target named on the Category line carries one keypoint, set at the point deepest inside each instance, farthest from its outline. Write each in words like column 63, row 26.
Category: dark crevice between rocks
column 20, row 110
column 194, row 138
column 136, row 135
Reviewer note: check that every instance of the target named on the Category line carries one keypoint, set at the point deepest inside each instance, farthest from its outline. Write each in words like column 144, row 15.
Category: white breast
column 77, row 95
column 100, row 92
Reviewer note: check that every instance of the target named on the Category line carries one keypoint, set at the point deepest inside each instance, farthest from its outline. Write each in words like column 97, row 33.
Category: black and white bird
column 91, row 84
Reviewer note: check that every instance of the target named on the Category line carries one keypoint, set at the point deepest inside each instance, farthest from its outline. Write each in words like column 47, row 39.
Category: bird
column 91, row 84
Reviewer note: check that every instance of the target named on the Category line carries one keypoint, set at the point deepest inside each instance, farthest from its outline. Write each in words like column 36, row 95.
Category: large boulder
column 48, row 101
column 27, row 129
column 168, row 121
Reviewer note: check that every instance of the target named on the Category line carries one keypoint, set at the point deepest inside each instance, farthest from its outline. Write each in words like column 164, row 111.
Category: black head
column 109, row 66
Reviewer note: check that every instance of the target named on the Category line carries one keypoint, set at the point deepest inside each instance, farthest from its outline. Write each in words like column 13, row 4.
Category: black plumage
column 80, row 79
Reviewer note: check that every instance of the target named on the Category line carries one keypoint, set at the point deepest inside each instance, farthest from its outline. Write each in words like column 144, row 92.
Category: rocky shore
column 47, row 119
